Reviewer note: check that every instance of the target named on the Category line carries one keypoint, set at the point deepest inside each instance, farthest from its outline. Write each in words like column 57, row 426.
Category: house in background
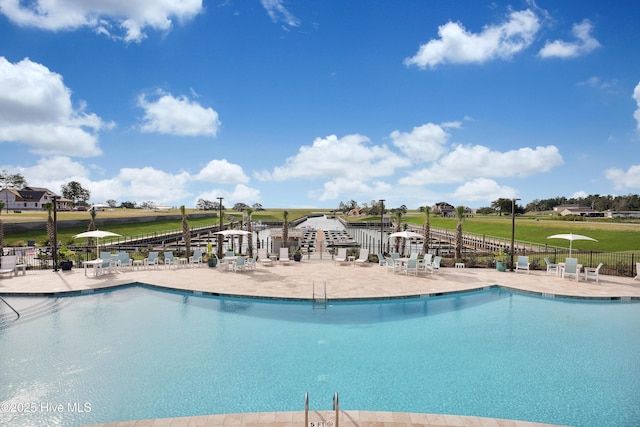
column 444, row 209
column 31, row 198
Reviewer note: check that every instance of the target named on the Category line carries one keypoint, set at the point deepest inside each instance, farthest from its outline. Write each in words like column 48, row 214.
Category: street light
column 513, row 228
column 381, row 222
column 55, row 233
column 220, row 228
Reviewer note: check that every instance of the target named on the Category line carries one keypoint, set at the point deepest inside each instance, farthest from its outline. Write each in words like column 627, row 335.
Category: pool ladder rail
column 319, row 301
column 335, row 406
column 11, row 307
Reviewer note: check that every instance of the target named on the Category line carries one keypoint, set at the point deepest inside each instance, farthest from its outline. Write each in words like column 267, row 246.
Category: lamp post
column 513, row 228
column 55, row 233
column 381, row 222
column 220, row 237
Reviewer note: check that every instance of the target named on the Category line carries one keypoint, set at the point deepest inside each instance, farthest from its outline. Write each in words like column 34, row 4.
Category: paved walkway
column 346, row 281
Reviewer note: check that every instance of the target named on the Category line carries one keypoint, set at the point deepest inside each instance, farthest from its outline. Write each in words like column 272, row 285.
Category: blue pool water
column 138, row 353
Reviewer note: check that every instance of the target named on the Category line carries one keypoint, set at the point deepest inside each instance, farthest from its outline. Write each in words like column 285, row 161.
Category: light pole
column 55, row 233
column 513, row 228
column 381, row 222
column 220, row 237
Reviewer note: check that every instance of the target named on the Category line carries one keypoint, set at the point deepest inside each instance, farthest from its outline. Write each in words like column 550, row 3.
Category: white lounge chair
column 240, row 264
column 196, row 258
column 263, row 256
column 8, row 265
column 571, row 268
column 124, row 262
column 392, row 264
column 411, row 266
column 341, row 257
column 284, row 256
column 434, row 267
column 551, row 268
column 363, row 259
column 151, row 259
column 169, row 260
column 591, row 272
column 425, row 261
column 523, row 263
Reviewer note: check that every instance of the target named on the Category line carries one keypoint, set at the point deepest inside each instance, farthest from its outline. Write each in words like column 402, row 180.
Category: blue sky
column 309, row 103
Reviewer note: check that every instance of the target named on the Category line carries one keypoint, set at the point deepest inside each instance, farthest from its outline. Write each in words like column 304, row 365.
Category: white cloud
column 458, row 46
column 621, row 180
column 636, row 96
column 584, row 44
column 240, row 193
column 223, row 172
column 424, row 143
column 36, row 110
column 349, row 157
column 177, row 116
column 56, row 168
column 278, row 13
column 483, row 189
column 125, row 20
column 354, row 188
column 466, row 162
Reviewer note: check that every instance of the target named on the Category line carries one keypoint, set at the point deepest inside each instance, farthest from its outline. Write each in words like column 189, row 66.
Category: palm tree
column 186, row 234
column 460, row 216
column 396, row 244
column 405, row 226
column 91, row 227
column 426, row 230
column 285, row 229
column 249, row 212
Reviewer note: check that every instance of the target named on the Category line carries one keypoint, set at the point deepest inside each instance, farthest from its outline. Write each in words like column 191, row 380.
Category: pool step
column 43, row 307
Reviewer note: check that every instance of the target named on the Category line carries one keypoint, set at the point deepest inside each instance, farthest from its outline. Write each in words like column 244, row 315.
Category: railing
column 9, row 305
column 336, row 407
column 319, row 302
column 306, row 409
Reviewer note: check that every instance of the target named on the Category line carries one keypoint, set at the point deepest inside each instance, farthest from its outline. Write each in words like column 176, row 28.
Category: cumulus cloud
column 355, row 188
column 351, row 157
column 466, row 162
column 223, row 172
column 239, row 193
column 171, row 115
column 456, row 45
column 624, row 180
column 117, row 19
column 278, row 13
column 584, row 43
column 36, row 110
column 424, row 143
column 636, row 96
column 483, row 189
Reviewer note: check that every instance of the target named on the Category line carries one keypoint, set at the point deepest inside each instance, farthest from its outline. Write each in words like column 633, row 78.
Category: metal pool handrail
column 9, row 305
column 336, row 406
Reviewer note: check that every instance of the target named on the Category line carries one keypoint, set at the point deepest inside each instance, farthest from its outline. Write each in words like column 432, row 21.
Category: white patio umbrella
column 98, row 234
column 233, row 232
column 571, row 237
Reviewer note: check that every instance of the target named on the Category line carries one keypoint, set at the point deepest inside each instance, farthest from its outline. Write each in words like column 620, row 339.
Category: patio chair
column 263, row 256
column 395, row 256
column 381, row 260
column 124, row 262
column 637, row 271
column 591, row 272
column 151, row 259
column 8, row 265
column 523, row 263
column 413, row 255
column 239, row 265
column 571, row 268
column 196, row 258
column 109, row 263
column 284, row 256
column 169, row 260
column 424, row 262
column 363, row 259
column 341, row 257
column 251, row 262
column 411, row 266
column 392, row 265
column 551, row 268
column 434, row 267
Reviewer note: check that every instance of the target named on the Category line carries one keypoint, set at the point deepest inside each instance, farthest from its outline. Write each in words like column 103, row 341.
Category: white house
column 31, row 198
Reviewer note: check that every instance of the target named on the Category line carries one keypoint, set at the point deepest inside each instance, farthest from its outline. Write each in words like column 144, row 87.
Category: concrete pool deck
column 296, row 280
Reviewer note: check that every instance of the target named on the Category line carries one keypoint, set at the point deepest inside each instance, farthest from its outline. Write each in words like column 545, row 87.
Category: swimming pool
column 137, row 353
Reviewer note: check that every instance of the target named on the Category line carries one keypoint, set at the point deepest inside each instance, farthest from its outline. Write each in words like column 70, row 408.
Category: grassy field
column 611, row 236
